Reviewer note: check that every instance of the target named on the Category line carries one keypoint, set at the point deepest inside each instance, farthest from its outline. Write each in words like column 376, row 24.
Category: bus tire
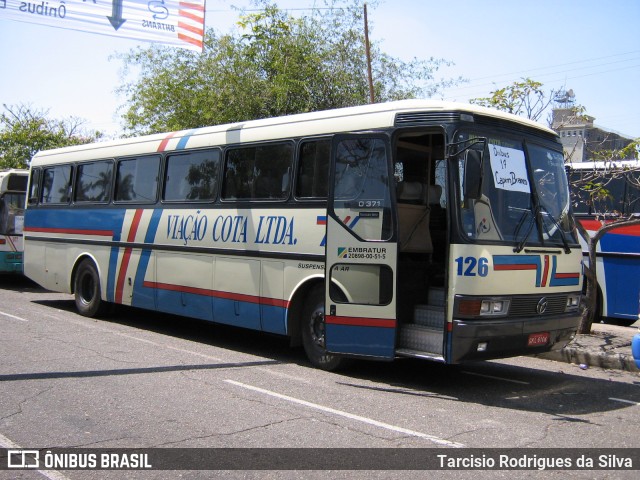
column 87, row 290
column 313, row 329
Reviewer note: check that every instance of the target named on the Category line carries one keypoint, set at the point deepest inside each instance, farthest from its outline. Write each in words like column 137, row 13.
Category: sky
column 589, row 46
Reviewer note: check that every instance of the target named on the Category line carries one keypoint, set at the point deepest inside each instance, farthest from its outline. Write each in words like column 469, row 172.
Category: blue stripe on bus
column 144, row 297
column 369, row 341
column 621, row 284
column 182, row 143
column 622, row 287
column 237, row 313
column 620, row 243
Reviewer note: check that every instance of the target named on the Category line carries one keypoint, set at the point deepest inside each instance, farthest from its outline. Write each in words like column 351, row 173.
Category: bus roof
column 364, row 117
column 605, row 165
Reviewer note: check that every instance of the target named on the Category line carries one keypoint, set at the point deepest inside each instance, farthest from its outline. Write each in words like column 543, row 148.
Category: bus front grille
column 528, row 306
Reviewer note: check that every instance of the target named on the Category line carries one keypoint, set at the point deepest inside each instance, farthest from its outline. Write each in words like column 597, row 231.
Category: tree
column 24, row 131
column 274, row 64
column 525, row 98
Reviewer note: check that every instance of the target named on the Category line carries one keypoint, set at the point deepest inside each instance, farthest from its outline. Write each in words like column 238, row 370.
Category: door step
column 429, row 316
column 421, row 338
column 406, row 352
column 425, row 336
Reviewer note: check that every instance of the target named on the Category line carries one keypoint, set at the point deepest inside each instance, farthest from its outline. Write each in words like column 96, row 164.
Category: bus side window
column 313, row 169
column 34, row 187
column 137, row 179
column 93, row 182
column 260, row 172
column 612, row 199
column 633, row 193
column 56, row 184
column 579, row 196
column 192, row 176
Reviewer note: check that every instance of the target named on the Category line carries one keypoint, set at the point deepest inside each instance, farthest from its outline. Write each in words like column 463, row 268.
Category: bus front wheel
column 87, row 290
column 313, row 331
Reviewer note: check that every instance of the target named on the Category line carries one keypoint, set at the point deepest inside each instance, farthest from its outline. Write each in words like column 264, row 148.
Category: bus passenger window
column 633, row 193
column 93, row 182
column 137, row 179
column 313, row 169
column 34, row 186
column 261, row 172
column 192, row 176
column 56, row 184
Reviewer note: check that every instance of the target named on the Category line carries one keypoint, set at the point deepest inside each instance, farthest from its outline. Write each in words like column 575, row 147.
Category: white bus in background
column 618, row 252
column 412, row 228
column 13, row 187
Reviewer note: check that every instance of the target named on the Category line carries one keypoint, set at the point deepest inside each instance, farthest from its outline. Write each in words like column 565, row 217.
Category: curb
column 610, row 360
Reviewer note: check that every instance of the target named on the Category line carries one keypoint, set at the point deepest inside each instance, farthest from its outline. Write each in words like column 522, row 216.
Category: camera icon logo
column 23, row 458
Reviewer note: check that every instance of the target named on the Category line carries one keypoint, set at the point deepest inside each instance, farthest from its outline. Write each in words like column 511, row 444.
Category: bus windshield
column 523, row 197
column 11, row 213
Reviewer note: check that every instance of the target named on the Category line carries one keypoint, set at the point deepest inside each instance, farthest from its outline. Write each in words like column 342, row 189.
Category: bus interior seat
column 413, row 216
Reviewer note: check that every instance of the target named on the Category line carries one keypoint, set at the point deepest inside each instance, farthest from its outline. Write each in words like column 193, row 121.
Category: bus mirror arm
column 457, row 148
column 473, row 160
column 472, row 175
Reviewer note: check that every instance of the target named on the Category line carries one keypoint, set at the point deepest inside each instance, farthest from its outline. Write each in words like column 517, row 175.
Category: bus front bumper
column 486, row 339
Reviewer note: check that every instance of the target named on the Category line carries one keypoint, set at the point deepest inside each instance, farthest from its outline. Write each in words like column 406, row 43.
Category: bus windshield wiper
column 520, row 245
column 565, row 244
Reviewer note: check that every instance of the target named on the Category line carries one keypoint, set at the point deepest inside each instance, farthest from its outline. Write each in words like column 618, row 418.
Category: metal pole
column 367, row 47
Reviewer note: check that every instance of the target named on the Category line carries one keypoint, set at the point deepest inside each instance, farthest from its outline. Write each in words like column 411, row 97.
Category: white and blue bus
column 618, row 252
column 13, row 188
column 412, row 228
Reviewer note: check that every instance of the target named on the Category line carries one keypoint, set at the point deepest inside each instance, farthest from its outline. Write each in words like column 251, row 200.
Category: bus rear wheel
column 87, row 290
column 313, row 333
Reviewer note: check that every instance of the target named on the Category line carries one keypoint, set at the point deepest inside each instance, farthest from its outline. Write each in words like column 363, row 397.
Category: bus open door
column 361, row 249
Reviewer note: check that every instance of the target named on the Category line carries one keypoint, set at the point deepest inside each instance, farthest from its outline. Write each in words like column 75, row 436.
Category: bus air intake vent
column 425, row 118
column 526, row 305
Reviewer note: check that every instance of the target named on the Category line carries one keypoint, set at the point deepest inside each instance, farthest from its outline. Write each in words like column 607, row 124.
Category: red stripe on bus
column 522, row 266
column 165, row 141
column 75, row 231
column 272, row 302
column 124, row 265
column 594, row 225
column 361, row 322
column 567, row 275
column 546, row 271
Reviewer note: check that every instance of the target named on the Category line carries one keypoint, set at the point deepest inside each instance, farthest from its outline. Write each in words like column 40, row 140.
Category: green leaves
column 24, row 131
column 275, row 64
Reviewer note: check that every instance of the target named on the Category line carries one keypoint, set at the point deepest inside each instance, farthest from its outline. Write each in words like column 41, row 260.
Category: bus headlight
column 474, row 307
column 494, row 307
column 573, row 302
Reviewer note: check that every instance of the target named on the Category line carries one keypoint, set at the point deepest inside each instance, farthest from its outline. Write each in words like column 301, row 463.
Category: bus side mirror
column 472, row 187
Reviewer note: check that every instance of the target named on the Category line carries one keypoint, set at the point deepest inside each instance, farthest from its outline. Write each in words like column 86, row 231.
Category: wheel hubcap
column 317, row 328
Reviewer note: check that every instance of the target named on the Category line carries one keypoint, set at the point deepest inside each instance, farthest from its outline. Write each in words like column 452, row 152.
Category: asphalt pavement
column 607, row 346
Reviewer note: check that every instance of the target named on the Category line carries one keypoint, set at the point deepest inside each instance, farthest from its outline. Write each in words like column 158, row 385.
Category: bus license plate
column 537, row 339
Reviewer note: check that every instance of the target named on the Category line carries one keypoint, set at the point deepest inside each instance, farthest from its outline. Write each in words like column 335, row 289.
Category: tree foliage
column 24, row 131
column 526, row 98
column 272, row 64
